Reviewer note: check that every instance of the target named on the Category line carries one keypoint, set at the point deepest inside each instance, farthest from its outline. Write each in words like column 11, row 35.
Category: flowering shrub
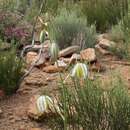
column 16, row 33
column 10, row 29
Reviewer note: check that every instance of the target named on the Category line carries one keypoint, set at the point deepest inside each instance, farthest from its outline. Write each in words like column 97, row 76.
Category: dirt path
column 14, row 116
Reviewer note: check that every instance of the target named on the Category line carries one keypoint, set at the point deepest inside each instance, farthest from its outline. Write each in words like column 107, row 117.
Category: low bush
column 68, row 28
column 88, row 106
column 12, row 28
column 104, row 13
column 116, row 33
column 10, row 71
column 120, row 34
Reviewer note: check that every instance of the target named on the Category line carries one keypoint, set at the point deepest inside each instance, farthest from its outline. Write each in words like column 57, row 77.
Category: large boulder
column 88, row 55
column 68, row 51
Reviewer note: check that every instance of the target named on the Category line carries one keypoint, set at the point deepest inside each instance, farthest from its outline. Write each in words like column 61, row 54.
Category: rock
column 61, row 64
column 31, row 57
column 1, row 111
column 66, row 60
column 68, row 51
column 49, row 79
column 97, row 67
column 106, row 44
column 101, row 50
column 45, row 55
column 32, row 110
column 52, row 69
column 74, row 57
column 88, row 55
column 36, row 59
column 35, row 129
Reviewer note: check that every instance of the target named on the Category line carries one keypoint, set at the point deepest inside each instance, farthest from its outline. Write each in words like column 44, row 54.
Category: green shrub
column 8, row 5
column 120, row 34
column 116, row 33
column 50, row 7
column 88, row 106
column 104, row 13
column 10, row 71
column 68, row 28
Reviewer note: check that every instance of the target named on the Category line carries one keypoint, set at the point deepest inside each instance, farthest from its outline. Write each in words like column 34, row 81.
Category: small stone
column 60, row 63
column 35, row 129
column 48, row 79
column 66, row 60
column 52, row 69
column 88, row 55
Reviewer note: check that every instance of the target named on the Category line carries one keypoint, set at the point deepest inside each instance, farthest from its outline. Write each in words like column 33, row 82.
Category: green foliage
column 104, row 13
column 120, row 34
column 68, row 28
column 116, row 33
column 87, row 106
column 10, row 71
column 50, row 6
column 8, row 5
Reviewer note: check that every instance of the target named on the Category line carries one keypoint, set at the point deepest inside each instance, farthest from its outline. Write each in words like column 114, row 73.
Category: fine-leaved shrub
column 120, row 34
column 10, row 71
column 104, row 13
column 68, row 28
column 88, row 106
column 116, row 33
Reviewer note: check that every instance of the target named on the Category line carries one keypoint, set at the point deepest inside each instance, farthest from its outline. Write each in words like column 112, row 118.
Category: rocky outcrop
column 88, row 55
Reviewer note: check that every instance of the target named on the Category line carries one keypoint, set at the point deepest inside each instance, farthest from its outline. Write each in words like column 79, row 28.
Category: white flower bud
column 54, row 51
column 42, row 36
column 80, row 71
column 44, row 103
